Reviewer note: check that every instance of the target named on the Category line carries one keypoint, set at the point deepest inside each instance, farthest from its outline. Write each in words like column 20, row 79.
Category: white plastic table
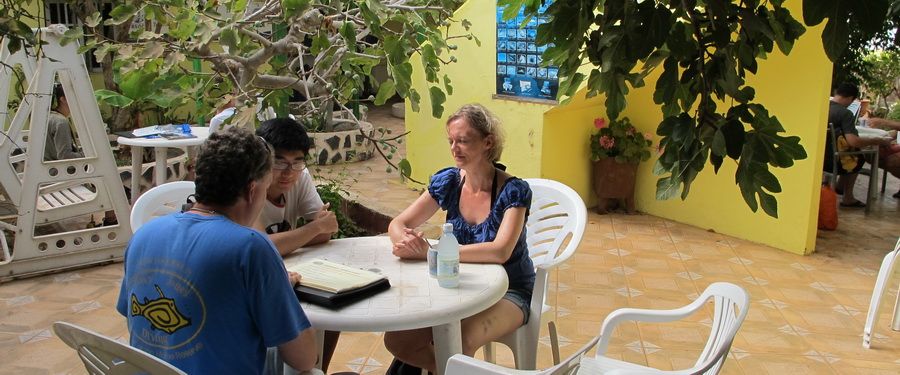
column 414, row 301
column 160, row 145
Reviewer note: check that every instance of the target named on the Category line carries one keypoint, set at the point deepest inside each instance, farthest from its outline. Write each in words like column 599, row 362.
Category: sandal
column 855, row 204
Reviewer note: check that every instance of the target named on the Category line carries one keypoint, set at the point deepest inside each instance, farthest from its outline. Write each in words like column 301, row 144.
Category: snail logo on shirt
column 167, row 310
column 162, row 313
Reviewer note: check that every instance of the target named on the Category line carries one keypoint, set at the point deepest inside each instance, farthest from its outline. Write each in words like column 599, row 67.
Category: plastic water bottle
column 448, row 259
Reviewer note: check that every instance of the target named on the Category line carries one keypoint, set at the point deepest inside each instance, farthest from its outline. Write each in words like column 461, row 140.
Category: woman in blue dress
column 488, row 208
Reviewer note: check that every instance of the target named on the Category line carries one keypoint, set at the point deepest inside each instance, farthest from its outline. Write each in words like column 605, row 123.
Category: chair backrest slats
column 159, row 201
column 103, row 355
column 729, row 310
column 557, row 215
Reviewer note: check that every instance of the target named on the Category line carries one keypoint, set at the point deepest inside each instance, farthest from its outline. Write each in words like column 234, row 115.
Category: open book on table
column 333, row 285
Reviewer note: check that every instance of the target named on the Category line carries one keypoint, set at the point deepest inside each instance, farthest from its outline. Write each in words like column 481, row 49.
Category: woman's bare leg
column 413, row 347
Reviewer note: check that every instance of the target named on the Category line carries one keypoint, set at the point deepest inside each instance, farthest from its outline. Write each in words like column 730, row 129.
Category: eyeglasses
column 281, row 165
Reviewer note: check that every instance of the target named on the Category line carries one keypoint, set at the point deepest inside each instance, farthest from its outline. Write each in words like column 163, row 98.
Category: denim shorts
column 522, row 299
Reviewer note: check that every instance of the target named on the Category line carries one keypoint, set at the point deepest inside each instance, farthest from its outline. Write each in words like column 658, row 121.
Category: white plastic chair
column 730, row 309
column 884, row 275
column 557, row 214
column 731, row 303
column 159, row 201
column 103, row 355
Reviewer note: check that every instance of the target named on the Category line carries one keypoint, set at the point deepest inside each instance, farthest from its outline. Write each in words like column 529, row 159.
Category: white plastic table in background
column 414, row 301
column 160, row 145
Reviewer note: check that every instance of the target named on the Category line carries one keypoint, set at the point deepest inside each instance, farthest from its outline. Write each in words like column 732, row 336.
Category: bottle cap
column 448, row 227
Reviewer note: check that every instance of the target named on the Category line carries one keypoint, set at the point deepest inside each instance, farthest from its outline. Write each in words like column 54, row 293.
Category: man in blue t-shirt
column 205, row 292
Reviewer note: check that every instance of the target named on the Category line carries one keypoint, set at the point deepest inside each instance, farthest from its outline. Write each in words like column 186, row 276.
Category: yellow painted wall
column 793, row 88
column 473, row 80
column 552, row 141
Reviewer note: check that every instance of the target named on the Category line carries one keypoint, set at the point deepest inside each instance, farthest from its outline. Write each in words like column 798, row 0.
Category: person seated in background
column 889, row 156
column 847, row 137
column 488, row 209
column 224, row 113
column 228, row 110
column 203, row 290
column 60, row 143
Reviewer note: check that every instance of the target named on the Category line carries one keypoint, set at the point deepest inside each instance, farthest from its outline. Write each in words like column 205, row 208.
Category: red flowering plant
column 620, row 140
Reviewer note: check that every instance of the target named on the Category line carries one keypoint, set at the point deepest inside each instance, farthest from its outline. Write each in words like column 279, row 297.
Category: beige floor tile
column 764, row 338
column 775, row 364
column 825, row 320
column 853, row 367
column 850, row 347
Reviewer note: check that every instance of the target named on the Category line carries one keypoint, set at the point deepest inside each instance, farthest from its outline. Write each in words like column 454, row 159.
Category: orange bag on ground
column 828, row 218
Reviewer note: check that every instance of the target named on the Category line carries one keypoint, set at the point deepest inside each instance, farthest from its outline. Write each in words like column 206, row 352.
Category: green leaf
column 348, row 33
column 294, row 7
column 437, row 101
column 718, row 143
column 870, row 14
column 320, row 42
column 769, row 204
column 447, row 85
column 229, row 37
column 120, row 14
column 414, row 99
column 136, row 84
column 835, row 36
column 93, row 20
column 666, row 188
column 815, row 11
column 385, row 92
column 238, row 6
column 112, row 98
column 72, row 34
column 186, row 28
column 405, row 167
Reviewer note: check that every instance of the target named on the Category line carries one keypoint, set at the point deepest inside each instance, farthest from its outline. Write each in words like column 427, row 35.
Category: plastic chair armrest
column 643, row 315
column 464, row 365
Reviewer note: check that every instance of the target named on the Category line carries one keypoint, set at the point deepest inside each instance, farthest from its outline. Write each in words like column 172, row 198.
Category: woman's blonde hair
column 485, row 123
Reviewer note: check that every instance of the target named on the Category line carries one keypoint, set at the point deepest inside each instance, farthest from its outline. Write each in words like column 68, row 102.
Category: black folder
column 337, row 300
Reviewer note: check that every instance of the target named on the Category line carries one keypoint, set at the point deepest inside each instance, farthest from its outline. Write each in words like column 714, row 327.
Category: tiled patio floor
column 806, row 313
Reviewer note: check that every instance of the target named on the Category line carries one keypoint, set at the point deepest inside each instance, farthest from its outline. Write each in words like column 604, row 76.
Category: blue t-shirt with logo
column 207, row 295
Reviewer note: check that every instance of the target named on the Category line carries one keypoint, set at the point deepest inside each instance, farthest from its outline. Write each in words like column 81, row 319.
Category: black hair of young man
column 847, row 90
column 285, row 134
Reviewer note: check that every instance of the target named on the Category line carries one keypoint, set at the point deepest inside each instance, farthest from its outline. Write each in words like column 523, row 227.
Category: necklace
column 203, row 210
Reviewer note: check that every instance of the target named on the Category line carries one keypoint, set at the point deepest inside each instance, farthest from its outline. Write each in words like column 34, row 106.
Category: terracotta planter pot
column 614, row 183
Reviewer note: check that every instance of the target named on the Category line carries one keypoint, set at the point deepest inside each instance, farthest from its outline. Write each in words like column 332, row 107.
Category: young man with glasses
column 292, row 194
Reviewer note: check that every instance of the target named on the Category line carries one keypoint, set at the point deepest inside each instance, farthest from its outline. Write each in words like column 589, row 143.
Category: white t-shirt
column 301, row 201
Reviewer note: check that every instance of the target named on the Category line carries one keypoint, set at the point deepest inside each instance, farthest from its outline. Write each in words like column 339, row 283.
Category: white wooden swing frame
column 50, row 191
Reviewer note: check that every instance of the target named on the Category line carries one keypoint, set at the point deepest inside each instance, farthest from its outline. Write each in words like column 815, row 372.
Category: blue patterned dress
column 445, row 187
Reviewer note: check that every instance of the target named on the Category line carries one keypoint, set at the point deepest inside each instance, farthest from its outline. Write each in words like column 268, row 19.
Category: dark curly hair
column 285, row 134
column 228, row 160
column 847, row 90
